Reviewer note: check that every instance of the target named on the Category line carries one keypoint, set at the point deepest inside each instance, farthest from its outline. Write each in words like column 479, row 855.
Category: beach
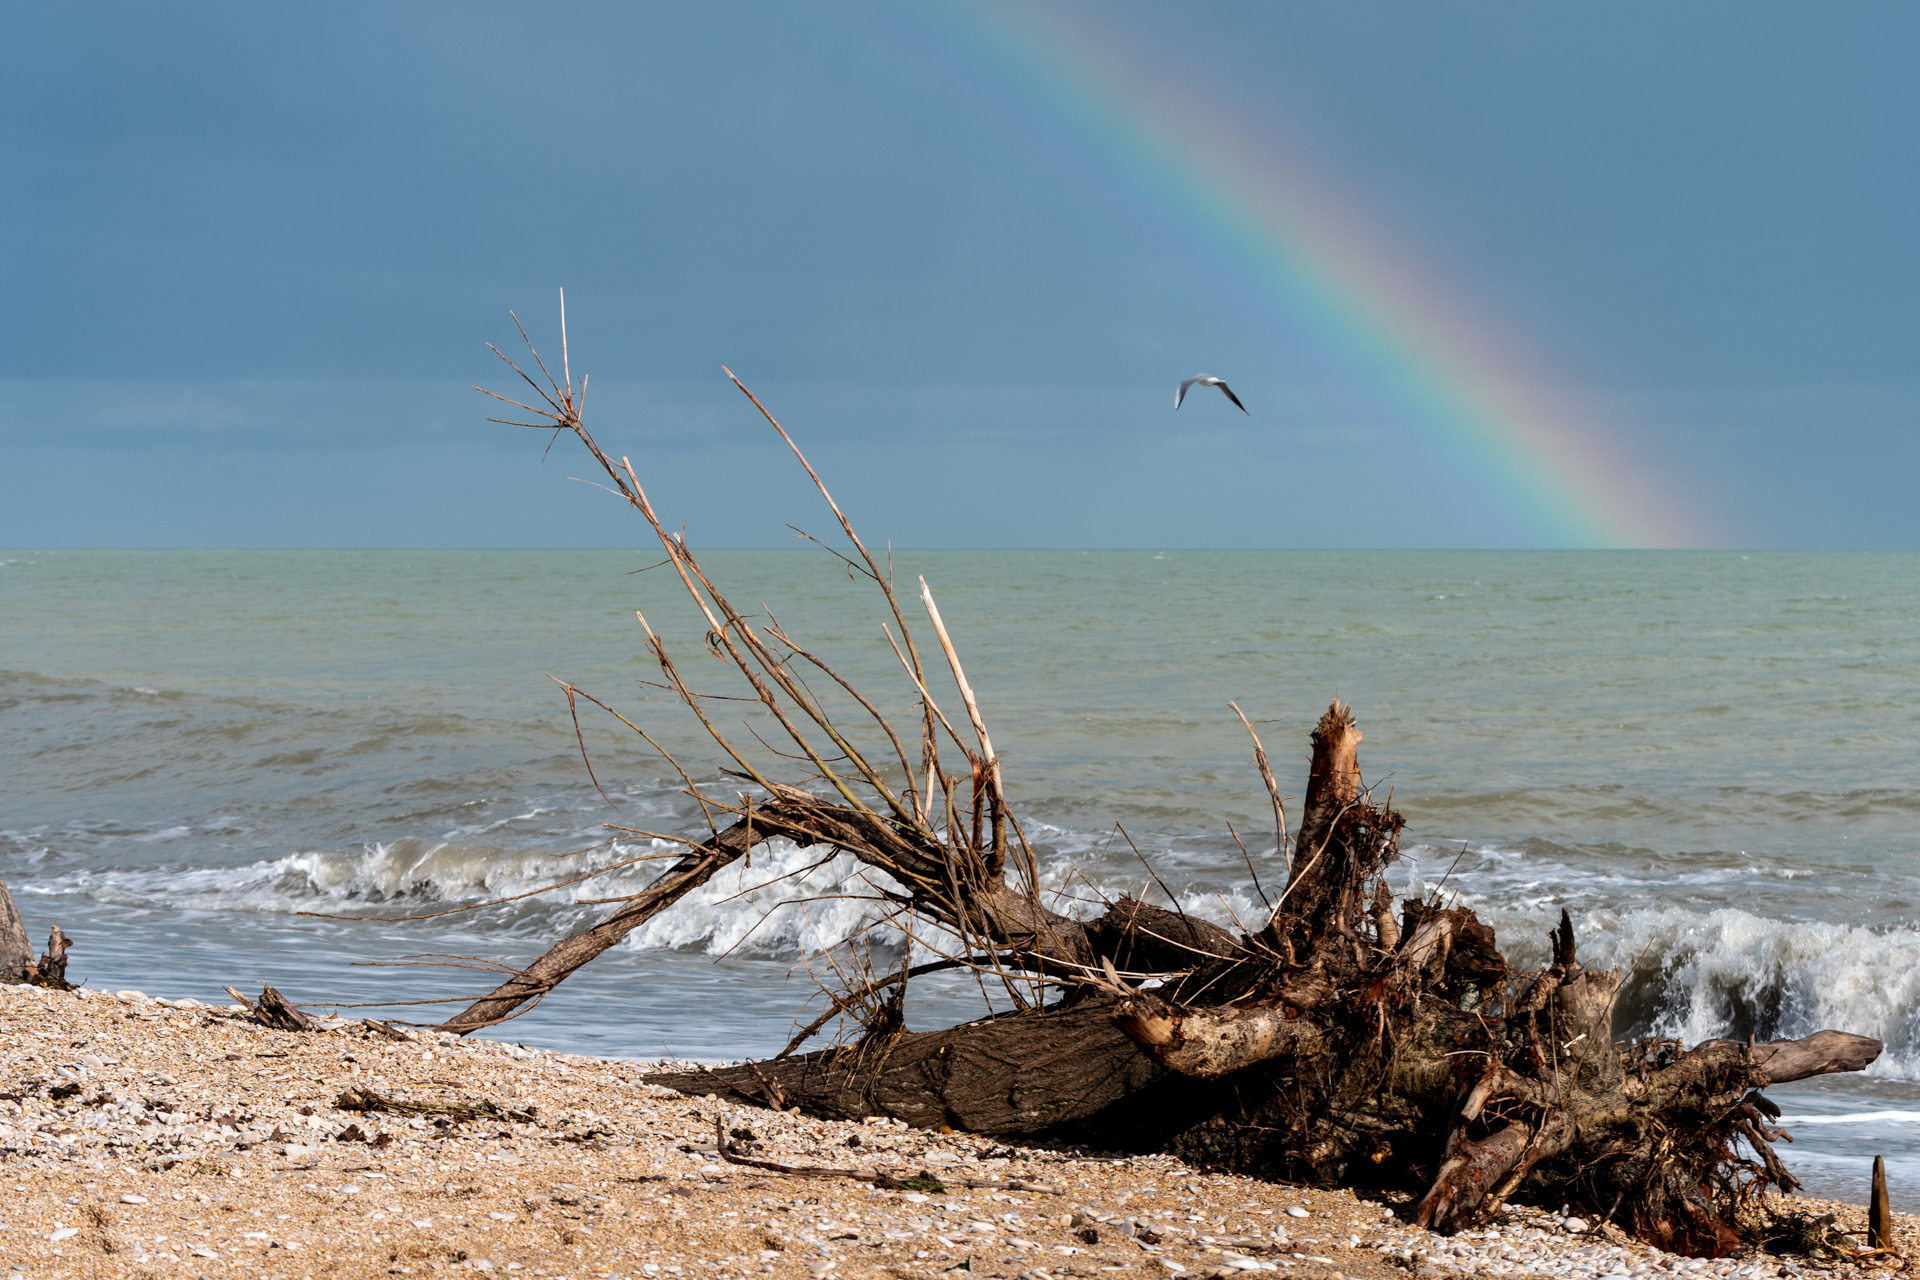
column 1143, row 665
column 152, row 1137
column 230, row 767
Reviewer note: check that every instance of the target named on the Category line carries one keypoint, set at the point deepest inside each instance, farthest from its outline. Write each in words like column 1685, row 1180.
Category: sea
column 235, row 767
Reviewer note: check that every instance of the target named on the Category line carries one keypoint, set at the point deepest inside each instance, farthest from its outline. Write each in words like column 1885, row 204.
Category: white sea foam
column 400, row 874
column 1855, row 1117
column 1705, row 974
column 787, row 903
column 1730, row 971
column 1695, row 971
column 1691, row 974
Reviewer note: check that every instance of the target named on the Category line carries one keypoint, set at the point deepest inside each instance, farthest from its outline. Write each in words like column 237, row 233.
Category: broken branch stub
column 275, row 1010
column 51, row 970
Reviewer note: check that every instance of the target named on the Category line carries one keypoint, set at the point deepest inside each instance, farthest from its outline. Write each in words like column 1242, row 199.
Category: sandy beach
column 147, row 1137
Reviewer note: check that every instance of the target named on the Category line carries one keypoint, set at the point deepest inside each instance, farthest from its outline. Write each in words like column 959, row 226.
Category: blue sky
column 252, row 254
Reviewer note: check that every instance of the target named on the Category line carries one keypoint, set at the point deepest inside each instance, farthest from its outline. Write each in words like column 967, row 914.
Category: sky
column 1484, row 275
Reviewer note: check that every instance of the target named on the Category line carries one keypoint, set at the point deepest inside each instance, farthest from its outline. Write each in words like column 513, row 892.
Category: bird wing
column 1227, row 391
column 1181, row 394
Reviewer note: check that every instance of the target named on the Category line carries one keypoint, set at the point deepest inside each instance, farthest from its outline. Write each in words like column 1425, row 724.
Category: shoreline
column 170, row 1138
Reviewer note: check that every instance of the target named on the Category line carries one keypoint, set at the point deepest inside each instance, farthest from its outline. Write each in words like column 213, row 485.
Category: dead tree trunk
column 1336, row 1047
column 1339, row 1043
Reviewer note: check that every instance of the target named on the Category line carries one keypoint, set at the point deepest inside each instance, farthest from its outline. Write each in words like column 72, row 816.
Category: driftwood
column 51, row 970
column 1347, row 1039
column 17, row 962
column 368, row 1102
column 16, row 953
column 1315, row 1051
column 1880, row 1208
column 274, row 1010
column 898, row 1180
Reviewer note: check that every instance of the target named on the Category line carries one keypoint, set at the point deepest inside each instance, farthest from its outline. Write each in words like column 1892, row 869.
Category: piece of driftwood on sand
column 1347, row 1039
column 17, row 961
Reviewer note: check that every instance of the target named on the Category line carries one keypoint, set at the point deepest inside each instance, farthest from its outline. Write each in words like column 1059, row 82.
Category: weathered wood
column 16, row 953
column 51, row 970
column 1473, row 1172
column 1561, row 1113
column 275, row 1010
column 1333, row 780
column 1210, row 1043
column 1330, row 1047
column 1783, row 1061
column 1064, row 1071
column 1880, row 1208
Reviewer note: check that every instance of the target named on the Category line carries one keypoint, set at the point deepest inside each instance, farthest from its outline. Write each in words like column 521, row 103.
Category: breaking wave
column 1692, row 974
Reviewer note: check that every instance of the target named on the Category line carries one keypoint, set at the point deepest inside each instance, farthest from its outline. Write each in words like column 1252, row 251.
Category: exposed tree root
column 1343, row 1042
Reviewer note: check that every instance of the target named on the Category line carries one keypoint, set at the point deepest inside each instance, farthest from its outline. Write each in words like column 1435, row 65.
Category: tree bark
column 16, row 953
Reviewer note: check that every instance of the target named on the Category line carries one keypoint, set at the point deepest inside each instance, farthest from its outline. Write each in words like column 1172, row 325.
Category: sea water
column 1708, row 758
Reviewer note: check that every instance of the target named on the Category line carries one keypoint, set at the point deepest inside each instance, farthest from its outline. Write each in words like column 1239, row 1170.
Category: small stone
column 1574, row 1224
column 130, row 1198
column 64, row 1233
column 1295, row 1211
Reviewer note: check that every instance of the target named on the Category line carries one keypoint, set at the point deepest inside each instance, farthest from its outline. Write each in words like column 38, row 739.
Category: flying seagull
column 1206, row 381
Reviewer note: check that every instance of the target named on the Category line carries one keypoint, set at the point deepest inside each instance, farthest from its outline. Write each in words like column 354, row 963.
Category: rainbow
column 1308, row 258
